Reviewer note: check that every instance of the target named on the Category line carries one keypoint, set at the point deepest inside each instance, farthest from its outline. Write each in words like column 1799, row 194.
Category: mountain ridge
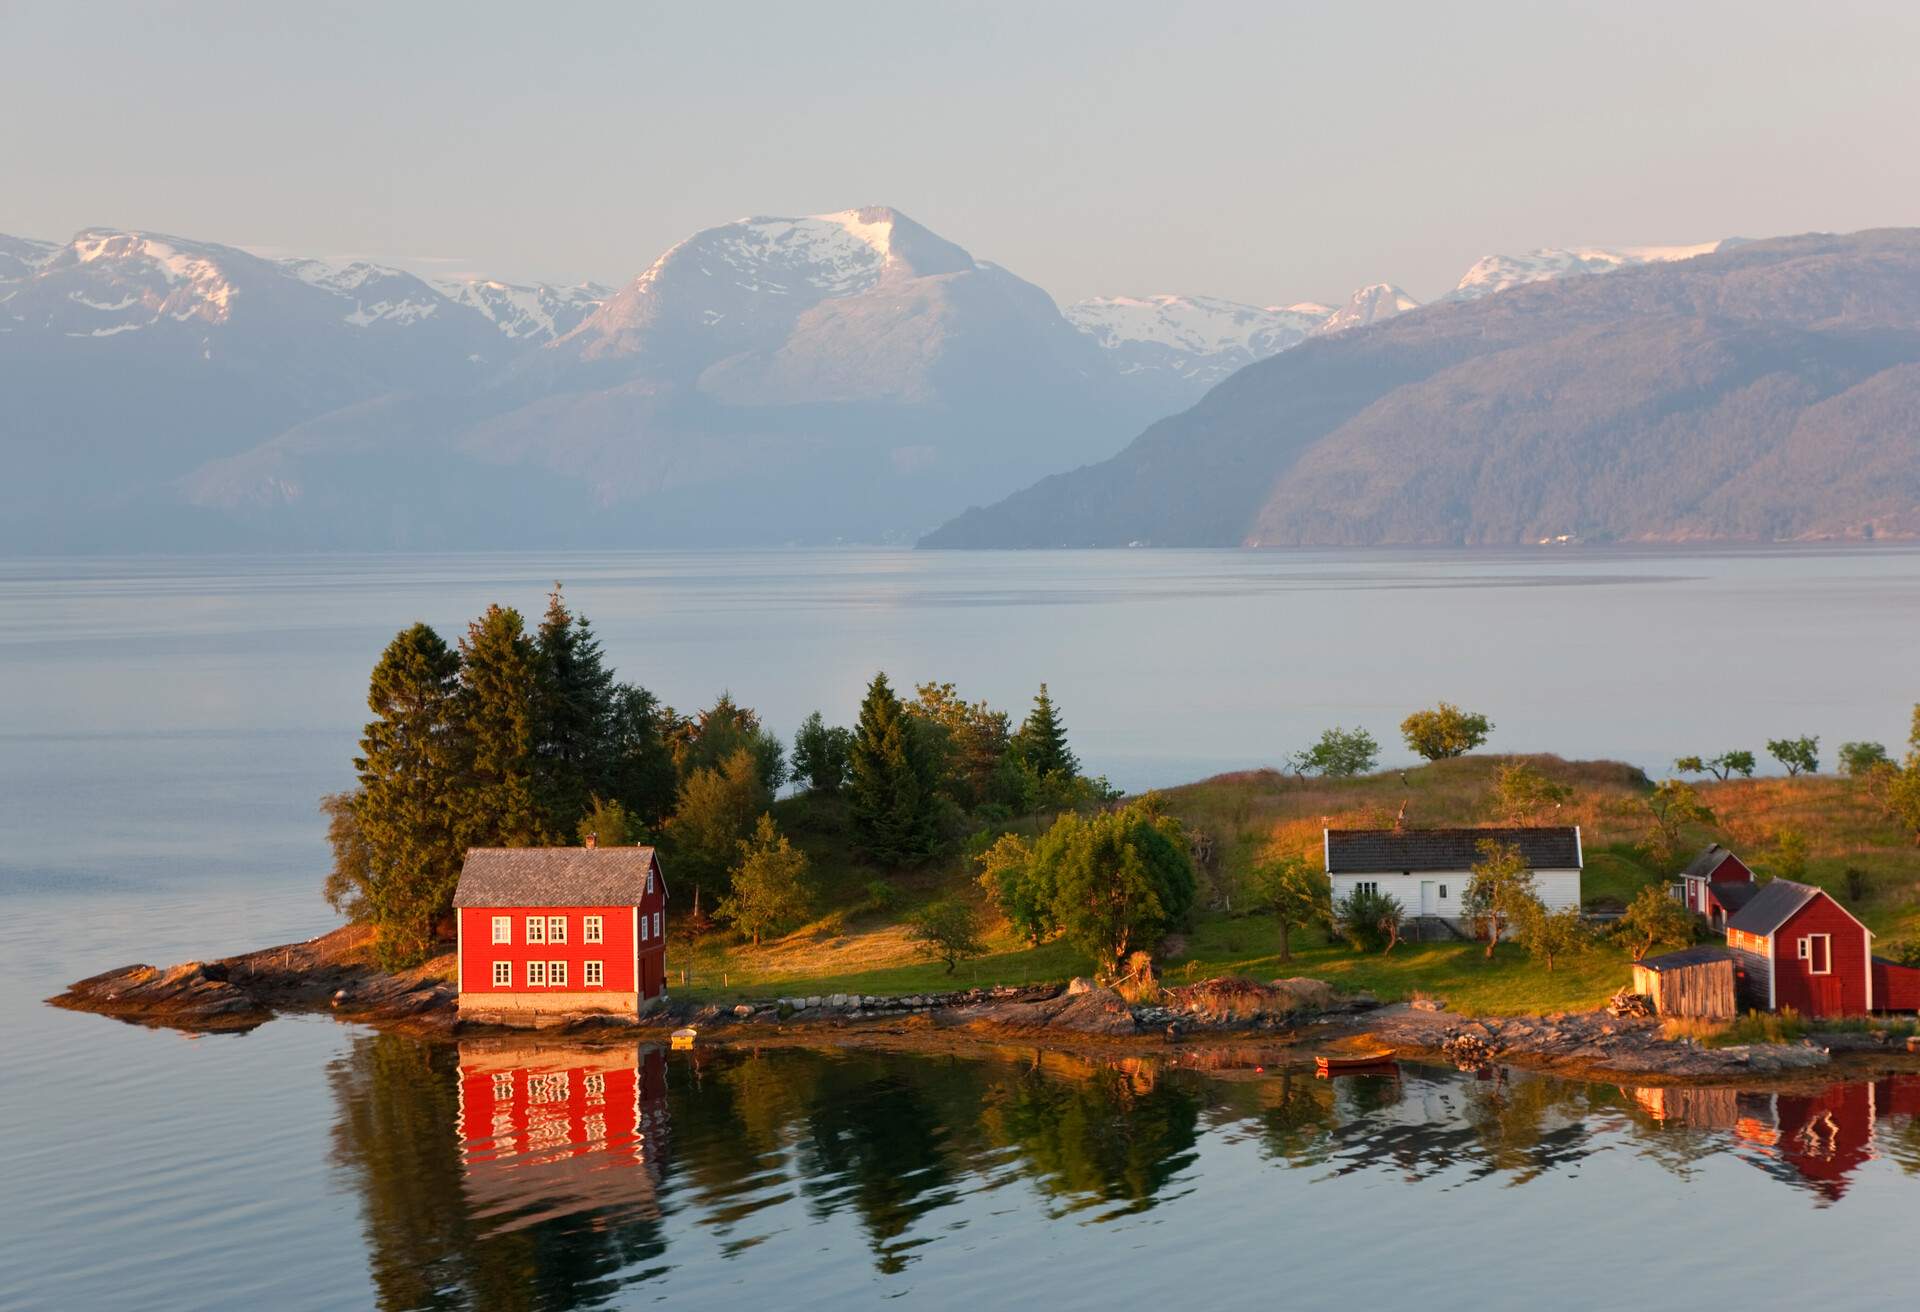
column 1645, row 405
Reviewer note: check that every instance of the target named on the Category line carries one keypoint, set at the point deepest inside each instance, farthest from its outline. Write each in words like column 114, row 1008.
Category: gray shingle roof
column 1771, row 907
column 554, row 877
column 1686, row 957
column 1708, row 860
column 1732, row 896
column 1384, row 851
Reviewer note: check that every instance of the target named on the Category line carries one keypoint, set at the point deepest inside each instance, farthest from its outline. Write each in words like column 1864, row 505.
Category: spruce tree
column 892, row 789
column 413, row 758
column 573, row 713
column 1042, row 742
column 496, row 806
column 640, row 771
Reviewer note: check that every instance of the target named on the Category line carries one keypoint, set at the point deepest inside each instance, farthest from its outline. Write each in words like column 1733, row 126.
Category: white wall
column 1557, row 888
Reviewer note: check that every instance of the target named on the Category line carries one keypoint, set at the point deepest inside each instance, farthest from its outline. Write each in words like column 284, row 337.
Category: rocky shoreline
column 335, row 974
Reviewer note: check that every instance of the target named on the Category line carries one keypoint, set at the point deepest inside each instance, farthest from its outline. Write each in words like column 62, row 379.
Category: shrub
column 1368, row 919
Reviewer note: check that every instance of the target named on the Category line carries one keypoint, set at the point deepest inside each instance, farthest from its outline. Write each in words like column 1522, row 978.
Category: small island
column 937, row 873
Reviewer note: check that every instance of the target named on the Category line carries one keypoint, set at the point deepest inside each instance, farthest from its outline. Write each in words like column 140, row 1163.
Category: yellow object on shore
column 683, row 1038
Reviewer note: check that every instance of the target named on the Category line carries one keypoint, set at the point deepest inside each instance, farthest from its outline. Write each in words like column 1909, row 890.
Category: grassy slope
column 859, row 946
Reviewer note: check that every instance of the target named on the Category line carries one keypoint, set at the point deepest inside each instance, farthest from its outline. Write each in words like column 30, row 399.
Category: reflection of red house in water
column 548, row 1131
column 1813, row 1140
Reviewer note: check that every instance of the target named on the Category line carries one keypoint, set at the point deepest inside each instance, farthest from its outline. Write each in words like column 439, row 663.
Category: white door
column 1429, row 898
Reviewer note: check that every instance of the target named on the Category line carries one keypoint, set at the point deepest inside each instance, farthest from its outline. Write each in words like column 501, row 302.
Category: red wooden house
column 1799, row 948
column 548, row 934
column 1716, row 884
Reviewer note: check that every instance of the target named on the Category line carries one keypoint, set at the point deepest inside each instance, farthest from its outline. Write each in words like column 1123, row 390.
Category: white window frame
column 556, row 929
column 649, row 883
column 592, row 930
column 503, row 969
column 1366, row 886
column 536, row 929
column 503, row 929
column 593, row 975
column 536, row 974
column 1806, row 953
column 644, row 934
column 656, row 924
column 556, row 974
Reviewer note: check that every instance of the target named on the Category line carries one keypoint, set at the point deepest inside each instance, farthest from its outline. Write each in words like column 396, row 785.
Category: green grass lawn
column 858, row 944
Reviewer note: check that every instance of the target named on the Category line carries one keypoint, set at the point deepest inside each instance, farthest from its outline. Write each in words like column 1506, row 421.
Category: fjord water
column 166, row 725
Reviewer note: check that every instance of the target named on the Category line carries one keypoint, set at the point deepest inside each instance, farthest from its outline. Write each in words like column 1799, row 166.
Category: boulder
column 1078, row 984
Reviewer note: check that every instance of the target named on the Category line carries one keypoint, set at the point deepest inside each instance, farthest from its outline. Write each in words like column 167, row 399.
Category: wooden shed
column 1697, row 982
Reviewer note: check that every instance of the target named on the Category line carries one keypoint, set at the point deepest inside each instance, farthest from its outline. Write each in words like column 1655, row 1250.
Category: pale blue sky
column 1265, row 152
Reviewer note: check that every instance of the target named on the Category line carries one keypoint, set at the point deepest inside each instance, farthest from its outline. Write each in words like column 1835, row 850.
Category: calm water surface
column 165, row 727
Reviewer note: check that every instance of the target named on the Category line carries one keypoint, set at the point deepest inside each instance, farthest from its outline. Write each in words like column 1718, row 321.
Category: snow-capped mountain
column 776, row 379
column 1198, row 340
column 20, row 256
column 532, row 314
column 1496, row 273
column 1371, row 304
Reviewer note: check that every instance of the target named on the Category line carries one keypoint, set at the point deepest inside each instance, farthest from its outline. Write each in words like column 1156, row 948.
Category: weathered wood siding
column 1704, row 990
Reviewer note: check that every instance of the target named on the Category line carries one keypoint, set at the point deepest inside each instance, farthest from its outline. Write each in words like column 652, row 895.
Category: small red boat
column 1341, row 1063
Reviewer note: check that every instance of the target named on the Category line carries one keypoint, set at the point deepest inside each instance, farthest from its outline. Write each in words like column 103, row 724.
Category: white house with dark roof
column 1427, row 870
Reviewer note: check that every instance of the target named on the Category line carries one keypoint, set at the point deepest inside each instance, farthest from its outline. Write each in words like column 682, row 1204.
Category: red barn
column 1715, row 883
column 1802, row 949
column 548, row 934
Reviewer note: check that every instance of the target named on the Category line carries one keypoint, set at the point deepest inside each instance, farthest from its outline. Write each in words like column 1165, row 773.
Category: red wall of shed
column 1843, row 992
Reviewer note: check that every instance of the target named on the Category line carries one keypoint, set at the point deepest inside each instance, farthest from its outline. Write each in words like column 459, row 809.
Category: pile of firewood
column 1468, row 1052
column 1628, row 1003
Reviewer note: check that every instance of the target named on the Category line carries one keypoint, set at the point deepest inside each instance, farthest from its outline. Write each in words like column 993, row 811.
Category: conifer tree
column 1042, row 741
column 573, row 710
column 640, row 771
column 413, row 757
column 892, row 789
column 496, row 806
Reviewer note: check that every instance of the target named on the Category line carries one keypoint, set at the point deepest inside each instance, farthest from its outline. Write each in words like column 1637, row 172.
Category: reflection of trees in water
column 1423, row 1125
column 1109, row 1137
column 395, row 1136
column 889, row 1140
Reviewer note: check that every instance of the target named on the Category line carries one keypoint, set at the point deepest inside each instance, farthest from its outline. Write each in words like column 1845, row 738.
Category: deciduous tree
column 1445, row 731
column 1653, row 919
column 1021, row 889
column 947, row 932
column 1673, row 803
column 769, row 883
column 1296, row 892
column 1548, row 935
column 1338, row 754
column 820, row 755
column 1501, row 892
column 1858, row 758
column 717, row 809
column 1121, row 879
column 1521, row 793
column 1797, row 754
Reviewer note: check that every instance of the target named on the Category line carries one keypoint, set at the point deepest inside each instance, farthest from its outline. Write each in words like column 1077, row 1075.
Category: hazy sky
column 1264, row 152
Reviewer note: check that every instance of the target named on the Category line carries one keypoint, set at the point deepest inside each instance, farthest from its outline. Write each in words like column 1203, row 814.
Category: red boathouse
column 1799, row 948
column 548, row 934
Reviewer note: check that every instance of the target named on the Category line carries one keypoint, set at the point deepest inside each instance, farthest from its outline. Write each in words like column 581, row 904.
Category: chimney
column 593, row 840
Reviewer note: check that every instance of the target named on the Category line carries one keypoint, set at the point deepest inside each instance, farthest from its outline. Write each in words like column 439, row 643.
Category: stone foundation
column 550, row 1007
